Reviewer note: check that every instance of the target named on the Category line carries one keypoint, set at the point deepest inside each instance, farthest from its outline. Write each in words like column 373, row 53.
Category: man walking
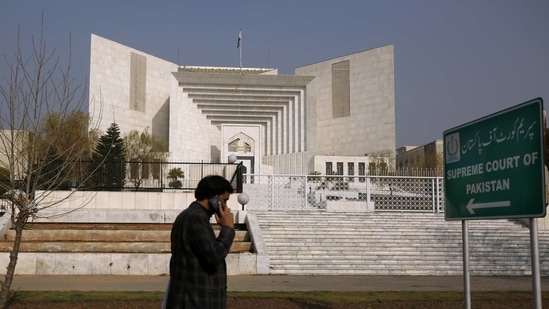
column 198, row 272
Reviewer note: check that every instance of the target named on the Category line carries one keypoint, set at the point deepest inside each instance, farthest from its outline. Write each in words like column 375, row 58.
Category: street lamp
column 243, row 199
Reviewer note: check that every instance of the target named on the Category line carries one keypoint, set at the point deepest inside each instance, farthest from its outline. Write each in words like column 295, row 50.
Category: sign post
column 494, row 169
column 494, row 166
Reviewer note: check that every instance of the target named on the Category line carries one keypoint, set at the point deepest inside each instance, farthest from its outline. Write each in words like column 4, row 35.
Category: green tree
column 37, row 95
column 108, row 160
column 62, row 142
column 67, row 134
column 50, row 172
column 174, row 175
column 314, row 176
column 144, row 151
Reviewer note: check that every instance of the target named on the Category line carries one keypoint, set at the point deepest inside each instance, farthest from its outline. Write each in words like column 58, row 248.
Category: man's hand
column 225, row 216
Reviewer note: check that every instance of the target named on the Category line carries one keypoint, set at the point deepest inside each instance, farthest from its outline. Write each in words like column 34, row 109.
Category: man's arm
column 211, row 250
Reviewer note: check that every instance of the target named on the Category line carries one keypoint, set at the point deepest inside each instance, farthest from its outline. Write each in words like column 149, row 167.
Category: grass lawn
column 266, row 300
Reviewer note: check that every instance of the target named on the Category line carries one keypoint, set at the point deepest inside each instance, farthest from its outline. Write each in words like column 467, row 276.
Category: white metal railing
column 383, row 193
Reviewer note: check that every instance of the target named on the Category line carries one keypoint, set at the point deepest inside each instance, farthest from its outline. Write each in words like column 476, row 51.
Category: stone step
column 98, row 226
column 335, row 234
column 396, row 269
column 268, row 222
column 105, row 238
column 110, row 226
column 420, row 255
column 107, row 247
column 424, row 255
column 372, row 264
column 389, row 243
column 51, row 234
column 427, row 240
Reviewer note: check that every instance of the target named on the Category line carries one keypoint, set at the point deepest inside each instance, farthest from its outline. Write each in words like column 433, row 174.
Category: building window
column 138, row 170
column 155, row 168
column 341, row 90
column 361, row 171
column 351, row 171
column 373, row 168
column 329, row 168
column 340, row 168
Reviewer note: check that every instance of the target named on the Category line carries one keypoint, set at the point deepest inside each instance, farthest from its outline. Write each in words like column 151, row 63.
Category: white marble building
column 341, row 108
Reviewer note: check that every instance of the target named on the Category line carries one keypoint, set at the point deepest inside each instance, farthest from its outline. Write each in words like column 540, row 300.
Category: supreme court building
column 337, row 114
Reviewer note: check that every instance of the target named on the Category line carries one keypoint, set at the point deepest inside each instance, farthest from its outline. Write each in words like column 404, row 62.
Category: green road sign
column 493, row 166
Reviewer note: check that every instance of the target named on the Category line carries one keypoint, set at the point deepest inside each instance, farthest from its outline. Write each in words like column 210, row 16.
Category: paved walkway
column 281, row 283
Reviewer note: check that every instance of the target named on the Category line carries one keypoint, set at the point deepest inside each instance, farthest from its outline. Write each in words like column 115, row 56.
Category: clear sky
column 455, row 61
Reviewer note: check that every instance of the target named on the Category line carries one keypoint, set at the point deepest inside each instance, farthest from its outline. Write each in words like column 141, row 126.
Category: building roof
column 226, row 70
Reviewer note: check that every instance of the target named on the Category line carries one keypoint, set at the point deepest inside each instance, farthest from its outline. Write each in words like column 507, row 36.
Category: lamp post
column 243, row 199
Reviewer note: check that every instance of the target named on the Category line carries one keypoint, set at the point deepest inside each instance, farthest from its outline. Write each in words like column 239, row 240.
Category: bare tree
column 381, row 162
column 144, row 151
column 42, row 140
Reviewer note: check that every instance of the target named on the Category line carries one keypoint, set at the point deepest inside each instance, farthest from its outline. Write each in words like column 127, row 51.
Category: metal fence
column 371, row 193
column 278, row 192
column 147, row 176
column 155, row 175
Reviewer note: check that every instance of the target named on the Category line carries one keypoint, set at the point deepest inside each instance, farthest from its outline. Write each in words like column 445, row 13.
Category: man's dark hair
column 210, row 186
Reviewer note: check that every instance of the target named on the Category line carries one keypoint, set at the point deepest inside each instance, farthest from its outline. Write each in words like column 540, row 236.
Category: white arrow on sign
column 471, row 206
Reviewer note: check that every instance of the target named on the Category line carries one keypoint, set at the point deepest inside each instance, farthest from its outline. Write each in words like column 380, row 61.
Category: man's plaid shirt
column 198, row 273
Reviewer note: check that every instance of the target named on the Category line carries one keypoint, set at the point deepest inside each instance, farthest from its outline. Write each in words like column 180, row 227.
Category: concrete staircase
column 69, row 248
column 105, row 237
column 315, row 243
column 287, row 242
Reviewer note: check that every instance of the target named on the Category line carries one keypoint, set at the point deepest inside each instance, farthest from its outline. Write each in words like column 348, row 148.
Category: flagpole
column 240, row 46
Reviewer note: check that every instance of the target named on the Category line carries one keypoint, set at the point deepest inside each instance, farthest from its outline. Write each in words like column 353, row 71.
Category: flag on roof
column 239, row 38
